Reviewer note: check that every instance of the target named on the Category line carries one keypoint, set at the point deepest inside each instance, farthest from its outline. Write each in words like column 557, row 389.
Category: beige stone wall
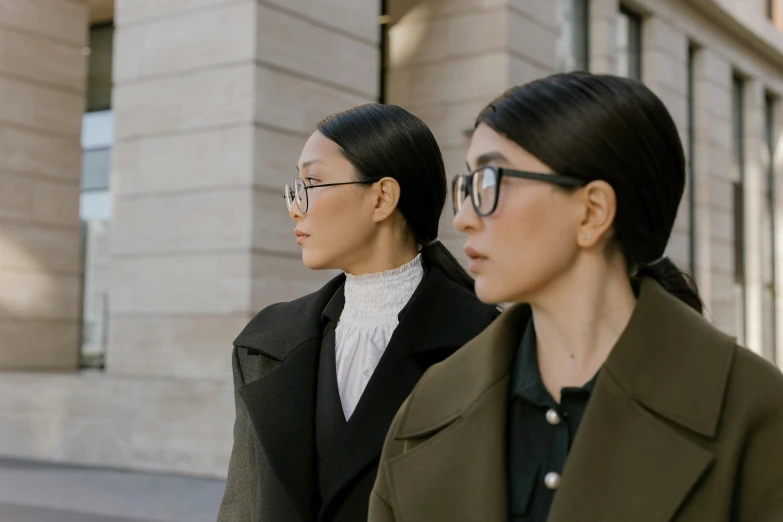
column 734, row 37
column 213, row 101
column 42, row 84
column 448, row 59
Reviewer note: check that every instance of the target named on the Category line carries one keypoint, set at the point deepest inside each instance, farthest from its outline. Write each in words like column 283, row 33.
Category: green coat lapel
column 455, row 466
column 645, row 439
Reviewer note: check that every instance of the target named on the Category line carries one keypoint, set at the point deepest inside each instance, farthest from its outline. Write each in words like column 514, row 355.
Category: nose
column 294, row 212
column 466, row 220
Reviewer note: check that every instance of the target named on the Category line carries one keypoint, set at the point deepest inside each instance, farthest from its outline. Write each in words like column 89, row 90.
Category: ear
column 600, row 209
column 387, row 196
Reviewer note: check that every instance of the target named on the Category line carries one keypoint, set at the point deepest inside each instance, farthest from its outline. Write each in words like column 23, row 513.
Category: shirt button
column 552, row 417
column 552, row 480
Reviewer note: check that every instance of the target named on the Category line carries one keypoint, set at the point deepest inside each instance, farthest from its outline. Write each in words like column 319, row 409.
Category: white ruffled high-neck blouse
column 372, row 304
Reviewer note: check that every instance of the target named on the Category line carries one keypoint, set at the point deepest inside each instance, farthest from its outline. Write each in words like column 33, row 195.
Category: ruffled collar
column 376, row 299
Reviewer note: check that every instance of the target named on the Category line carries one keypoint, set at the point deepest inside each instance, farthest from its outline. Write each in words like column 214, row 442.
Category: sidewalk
column 40, row 492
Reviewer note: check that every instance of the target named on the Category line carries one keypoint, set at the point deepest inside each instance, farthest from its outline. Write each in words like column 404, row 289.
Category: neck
column 578, row 320
column 388, row 249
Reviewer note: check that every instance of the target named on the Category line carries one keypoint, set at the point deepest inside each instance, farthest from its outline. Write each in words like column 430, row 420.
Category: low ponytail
column 675, row 281
column 436, row 254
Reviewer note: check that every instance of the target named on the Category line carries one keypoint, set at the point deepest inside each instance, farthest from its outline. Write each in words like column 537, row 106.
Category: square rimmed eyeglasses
column 483, row 186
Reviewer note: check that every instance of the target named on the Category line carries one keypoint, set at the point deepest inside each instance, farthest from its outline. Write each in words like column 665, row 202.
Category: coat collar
column 668, row 342
column 272, row 331
column 665, row 342
column 426, row 322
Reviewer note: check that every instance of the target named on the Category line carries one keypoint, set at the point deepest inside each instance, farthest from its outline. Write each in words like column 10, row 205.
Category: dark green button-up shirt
column 539, row 434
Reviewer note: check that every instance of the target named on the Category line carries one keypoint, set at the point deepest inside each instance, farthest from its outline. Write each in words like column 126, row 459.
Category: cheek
column 529, row 242
column 337, row 228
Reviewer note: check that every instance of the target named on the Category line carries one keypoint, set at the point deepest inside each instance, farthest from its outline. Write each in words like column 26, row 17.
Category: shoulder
column 280, row 324
column 756, row 384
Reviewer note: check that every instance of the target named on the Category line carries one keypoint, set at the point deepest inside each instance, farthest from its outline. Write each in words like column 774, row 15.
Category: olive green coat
column 683, row 425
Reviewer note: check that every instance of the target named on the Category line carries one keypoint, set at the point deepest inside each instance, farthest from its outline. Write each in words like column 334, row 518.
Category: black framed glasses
column 483, row 186
column 299, row 192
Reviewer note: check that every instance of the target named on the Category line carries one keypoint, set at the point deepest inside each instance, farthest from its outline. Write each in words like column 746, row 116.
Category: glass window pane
column 628, row 40
column 95, row 169
column 97, row 129
column 99, row 68
column 95, row 208
column 572, row 44
column 738, row 157
column 95, row 204
column 95, row 319
column 768, row 243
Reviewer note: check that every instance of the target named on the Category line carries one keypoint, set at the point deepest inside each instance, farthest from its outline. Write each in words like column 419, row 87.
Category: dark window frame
column 635, row 41
column 738, row 149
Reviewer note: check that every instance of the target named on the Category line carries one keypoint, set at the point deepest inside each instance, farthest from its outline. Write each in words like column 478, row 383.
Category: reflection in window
column 95, row 211
column 95, row 207
column 629, row 44
column 572, row 44
column 738, row 159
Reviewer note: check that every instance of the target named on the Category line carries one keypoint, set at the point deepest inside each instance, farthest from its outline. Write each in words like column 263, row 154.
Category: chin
column 315, row 262
column 487, row 292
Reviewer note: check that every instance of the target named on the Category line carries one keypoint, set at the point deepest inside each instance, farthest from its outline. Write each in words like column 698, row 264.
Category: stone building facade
column 144, row 145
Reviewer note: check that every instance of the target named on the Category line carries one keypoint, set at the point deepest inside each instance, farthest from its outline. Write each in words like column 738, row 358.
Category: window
column 691, row 144
column 768, row 246
column 95, row 207
column 769, row 9
column 572, row 45
column 629, row 44
column 99, row 64
column 738, row 157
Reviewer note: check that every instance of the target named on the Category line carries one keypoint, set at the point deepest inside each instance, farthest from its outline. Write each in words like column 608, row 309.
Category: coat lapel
column 455, row 465
column 626, row 464
column 282, row 410
column 427, row 333
column 281, row 403
column 643, row 442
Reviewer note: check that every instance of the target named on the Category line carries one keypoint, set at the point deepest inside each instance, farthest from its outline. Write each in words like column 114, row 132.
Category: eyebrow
column 488, row 157
column 309, row 163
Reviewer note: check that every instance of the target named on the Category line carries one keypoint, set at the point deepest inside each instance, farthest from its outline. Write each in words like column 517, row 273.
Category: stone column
column 213, row 104
column 665, row 71
column 42, row 88
column 755, row 175
column 449, row 59
column 777, row 162
column 603, row 28
column 714, row 185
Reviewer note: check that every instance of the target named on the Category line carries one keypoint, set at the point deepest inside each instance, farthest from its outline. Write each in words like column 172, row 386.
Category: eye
column 311, row 181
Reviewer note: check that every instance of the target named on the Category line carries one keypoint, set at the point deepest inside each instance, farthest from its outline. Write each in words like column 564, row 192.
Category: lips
column 300, row 236
column 476, row 259
column 473, row 253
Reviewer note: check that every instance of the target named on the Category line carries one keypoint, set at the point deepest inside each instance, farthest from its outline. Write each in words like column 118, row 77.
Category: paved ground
column 35, row 492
